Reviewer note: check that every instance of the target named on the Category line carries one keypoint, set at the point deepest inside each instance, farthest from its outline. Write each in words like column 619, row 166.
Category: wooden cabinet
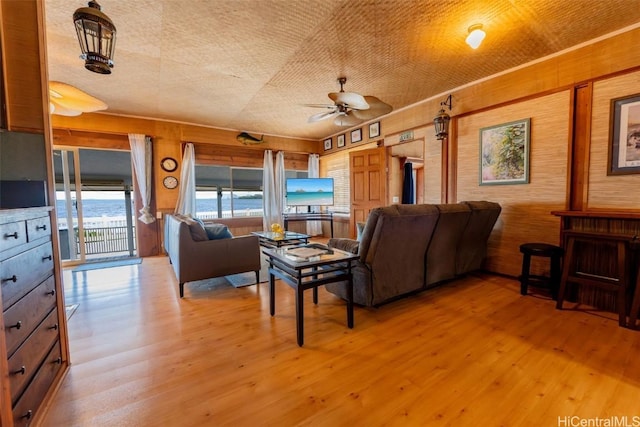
column 33, row 314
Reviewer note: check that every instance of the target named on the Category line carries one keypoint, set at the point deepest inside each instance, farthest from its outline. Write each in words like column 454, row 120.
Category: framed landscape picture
column 356, row 135
column 340, row 141
column 504, row 153
column 624, row 144
column 327, row 144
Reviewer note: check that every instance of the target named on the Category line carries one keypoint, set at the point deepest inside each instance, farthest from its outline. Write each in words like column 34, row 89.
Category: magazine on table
column 308, row 251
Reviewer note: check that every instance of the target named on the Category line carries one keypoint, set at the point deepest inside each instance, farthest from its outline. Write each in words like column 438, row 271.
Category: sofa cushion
column 344, row 244
column 217, row 231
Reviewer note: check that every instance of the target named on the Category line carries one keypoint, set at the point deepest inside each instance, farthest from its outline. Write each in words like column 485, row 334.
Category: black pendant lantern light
column 441, row 121
column 97, row 37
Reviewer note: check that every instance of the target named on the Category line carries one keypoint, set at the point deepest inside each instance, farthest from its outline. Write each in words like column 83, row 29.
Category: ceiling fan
column 350, row 108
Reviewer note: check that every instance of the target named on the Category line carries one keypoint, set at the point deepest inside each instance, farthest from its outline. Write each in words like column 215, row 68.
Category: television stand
column 310, row 216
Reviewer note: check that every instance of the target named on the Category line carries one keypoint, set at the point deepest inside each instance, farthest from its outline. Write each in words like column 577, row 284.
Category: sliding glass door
column 94, row 204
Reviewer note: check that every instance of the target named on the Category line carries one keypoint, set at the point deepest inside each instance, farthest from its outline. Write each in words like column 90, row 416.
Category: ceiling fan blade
column 72, row 98
column 346, row 119
column 349, row 99
column 376, row 108
column 322, row 116
column 331, row 106
column 55, row 108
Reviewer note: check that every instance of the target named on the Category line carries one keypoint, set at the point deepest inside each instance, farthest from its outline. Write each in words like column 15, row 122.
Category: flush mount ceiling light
column 67, row 100
column 476, row 35
column 97, row 37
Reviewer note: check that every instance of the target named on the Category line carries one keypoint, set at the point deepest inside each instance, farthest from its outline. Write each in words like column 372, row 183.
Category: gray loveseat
column 408, row 248
column 194, row 257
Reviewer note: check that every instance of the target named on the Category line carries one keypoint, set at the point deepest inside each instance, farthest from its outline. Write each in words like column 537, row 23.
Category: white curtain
column 280, row 186
column 141, row 155
column 314, row 228
column 270, row 213
column 186, row 204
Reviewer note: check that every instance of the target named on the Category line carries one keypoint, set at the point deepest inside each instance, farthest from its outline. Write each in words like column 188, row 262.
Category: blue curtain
column 407, row 184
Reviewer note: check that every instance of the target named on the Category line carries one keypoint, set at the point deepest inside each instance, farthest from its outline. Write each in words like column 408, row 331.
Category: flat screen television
column 309, row 191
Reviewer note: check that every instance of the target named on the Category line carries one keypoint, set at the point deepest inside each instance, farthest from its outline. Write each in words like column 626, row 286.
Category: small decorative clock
column 169, row 164
column 170, row 182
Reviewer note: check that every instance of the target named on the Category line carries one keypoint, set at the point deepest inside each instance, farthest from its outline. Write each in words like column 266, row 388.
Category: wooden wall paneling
column 526, row 214
column 450, row 164
column 580, row 139
column 242, row 156
column 21, row 56
column 72, row 138
column 609, row 191
column 202, row 134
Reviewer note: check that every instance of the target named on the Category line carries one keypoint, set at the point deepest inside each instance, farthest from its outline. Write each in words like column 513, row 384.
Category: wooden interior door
column 368, row 180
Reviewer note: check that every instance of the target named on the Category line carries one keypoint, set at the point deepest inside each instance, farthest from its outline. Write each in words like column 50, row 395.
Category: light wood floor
column 471, row 353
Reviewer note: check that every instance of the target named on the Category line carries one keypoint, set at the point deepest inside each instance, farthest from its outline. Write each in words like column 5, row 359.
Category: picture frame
column 374, row 130
column 340, row 141
column 328, row 143
column 504, row 153
column 356, row 135
column 624, row 132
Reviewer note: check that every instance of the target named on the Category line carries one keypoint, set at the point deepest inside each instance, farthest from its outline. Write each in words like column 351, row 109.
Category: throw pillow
column 198, row 233
column 217, row 231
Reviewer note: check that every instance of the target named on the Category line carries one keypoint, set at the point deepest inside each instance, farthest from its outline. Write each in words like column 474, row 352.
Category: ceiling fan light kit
column 349, row 108
column 97, row 37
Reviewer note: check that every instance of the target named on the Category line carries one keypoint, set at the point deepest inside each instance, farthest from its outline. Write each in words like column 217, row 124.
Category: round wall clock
column 170, row 182
column 169, row 164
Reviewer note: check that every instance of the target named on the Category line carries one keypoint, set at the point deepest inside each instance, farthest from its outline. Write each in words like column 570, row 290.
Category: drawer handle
column 13, row 279
column 41, row 227
column 58, row 361
column 54, row 327
column 52, row 292
column 14, row 235
column 45, row 258
column 28, row 415
column 20, row 371
column 17, row 325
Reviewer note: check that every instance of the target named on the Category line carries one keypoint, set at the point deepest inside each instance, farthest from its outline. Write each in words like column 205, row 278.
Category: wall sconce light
column 476, row 35
column 97, row 37
column 441, row 121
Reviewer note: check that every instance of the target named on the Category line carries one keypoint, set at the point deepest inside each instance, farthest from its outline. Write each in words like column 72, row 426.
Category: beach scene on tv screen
column 310, row 192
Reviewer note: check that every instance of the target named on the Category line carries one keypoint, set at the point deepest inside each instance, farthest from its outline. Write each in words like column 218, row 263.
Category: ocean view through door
column 94, row 204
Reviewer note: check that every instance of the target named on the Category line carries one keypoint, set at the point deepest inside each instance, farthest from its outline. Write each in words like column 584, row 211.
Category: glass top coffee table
column 269, row 239
column 308, row 267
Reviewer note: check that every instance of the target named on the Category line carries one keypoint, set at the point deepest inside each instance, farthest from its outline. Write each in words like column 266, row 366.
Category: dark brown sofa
column 408, row 248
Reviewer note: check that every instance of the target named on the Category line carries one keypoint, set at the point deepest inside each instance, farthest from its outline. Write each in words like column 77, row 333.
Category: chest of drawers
column 33, row 313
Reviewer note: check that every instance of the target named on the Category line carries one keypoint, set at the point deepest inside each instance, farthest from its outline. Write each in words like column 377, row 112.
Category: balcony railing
column 104, row 240
column 99, row 240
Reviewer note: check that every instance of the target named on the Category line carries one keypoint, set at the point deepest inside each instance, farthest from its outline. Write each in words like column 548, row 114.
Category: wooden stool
column 617, row 281
column 554, row 253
